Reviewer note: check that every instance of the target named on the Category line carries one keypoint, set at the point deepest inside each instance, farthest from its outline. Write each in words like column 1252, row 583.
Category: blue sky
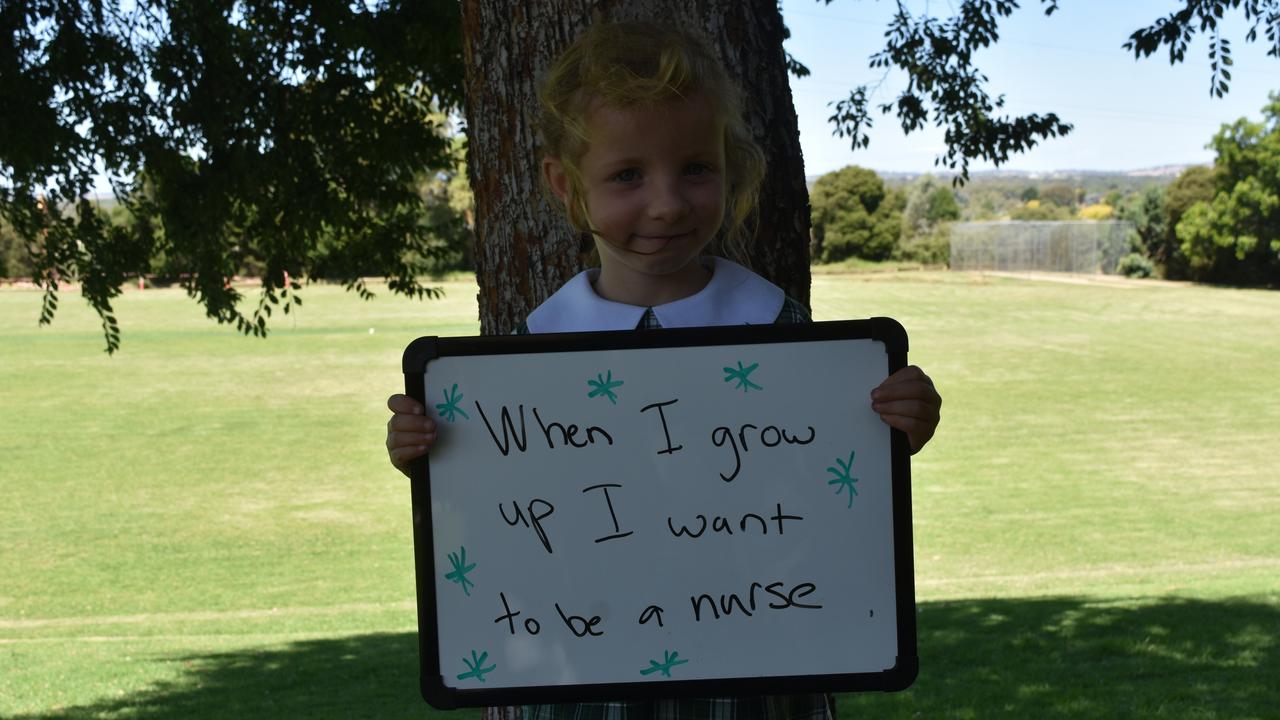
column 1127, row 114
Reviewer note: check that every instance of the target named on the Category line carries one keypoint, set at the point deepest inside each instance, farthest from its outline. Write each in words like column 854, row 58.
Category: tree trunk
column 524, row 250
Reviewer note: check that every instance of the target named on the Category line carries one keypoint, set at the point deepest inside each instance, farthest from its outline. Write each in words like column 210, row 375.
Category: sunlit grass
column 205, row 525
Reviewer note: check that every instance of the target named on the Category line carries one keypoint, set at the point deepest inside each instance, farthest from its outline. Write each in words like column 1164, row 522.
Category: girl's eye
column 697, row 168
column 627, row 176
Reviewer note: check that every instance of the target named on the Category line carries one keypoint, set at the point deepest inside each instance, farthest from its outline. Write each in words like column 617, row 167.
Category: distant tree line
column 858, row 214
column 1218, row 224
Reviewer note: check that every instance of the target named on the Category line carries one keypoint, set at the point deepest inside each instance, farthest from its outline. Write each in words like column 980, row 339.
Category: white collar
column 734, row 296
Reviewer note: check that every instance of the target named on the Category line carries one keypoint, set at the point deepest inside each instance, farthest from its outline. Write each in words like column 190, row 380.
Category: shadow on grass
column 1073, row 658
column 362, row 676
column 1041, row 658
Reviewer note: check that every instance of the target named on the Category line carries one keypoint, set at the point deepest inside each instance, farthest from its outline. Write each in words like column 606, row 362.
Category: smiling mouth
column 652, row 244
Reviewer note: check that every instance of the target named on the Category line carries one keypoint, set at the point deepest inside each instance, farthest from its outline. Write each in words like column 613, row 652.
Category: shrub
column 931, row 248
column 855, row 216
column 1136, row 266
column 1101, row 211
column 1034, row 210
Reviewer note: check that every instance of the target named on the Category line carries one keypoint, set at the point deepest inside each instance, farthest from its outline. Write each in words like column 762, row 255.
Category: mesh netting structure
column 1072, row 247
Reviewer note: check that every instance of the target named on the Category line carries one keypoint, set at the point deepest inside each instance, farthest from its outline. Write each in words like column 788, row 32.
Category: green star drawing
column 604, row 386
column 741, row 375
column 474, row 667
column 460, row 569
column 449, row 408
column 843, row 478
column 668, row 661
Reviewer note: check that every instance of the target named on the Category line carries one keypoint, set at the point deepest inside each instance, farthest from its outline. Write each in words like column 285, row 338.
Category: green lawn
column 206, row 525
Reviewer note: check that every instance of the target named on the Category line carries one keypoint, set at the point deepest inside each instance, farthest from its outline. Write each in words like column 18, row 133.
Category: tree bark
column 524, row 249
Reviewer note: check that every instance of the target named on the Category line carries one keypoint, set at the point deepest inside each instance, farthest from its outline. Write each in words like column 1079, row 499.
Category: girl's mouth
column 651, row 244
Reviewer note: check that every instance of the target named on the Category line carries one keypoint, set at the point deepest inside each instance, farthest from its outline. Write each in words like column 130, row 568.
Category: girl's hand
column 907, row 400
column 410, row 433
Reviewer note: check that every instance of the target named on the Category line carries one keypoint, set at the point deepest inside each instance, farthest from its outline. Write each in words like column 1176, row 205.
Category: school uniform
column 734, row 296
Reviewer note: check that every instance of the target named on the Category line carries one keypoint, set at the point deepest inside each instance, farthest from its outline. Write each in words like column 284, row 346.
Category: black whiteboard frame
column 434, row 691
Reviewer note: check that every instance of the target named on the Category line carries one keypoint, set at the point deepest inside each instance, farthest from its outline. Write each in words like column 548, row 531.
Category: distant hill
column 1162, row 172
column 1169, row 171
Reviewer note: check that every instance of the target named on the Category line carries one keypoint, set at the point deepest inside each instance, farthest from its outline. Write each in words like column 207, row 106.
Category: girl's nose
column 667, row 201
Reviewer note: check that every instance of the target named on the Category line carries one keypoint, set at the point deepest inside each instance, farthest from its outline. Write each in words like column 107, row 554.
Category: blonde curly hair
column 637, row 64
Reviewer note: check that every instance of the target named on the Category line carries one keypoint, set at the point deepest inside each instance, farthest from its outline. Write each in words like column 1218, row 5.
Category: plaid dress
column 777, row 707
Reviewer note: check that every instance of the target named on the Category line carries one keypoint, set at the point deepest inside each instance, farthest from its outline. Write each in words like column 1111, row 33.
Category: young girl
column 646, row 150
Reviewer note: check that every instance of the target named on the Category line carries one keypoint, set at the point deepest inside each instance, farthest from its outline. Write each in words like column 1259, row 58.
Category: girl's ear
column 553, row 172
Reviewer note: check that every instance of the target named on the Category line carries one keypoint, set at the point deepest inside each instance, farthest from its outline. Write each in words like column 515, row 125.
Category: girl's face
column 654, row 186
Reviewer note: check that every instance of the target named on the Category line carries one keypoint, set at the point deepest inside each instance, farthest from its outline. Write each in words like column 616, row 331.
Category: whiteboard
column 698, row 512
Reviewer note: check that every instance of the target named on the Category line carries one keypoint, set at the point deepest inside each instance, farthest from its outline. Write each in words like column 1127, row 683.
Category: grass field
column 206, row 526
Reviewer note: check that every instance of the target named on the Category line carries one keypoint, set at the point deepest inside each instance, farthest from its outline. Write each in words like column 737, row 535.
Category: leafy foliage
column 1061, row 194
column 937, row 56
column 1097, row 211
column 945, row 87
column 928, row 203
column 1177, row 29
column 299, row 138
column 1040, row 210
column 925, row 237
column 1235, row 235
column 1145, row 213
column 278, row 132
column 13, row 253
column 1195, row 184
column 997, row 195
column 1135, row 265
column 1219, row 224
column 854, row 215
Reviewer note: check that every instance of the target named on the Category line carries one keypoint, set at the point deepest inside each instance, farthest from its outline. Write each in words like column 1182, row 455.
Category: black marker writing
column 580, row 626
column 663, row 417
column 770, row 436
column 721, row 524
column 569, row 434
column 782, row 601
column 509, row 433
column 684, row 529
column 650, row 613
column 537, row 517
column 617, row 531
column 531, row 626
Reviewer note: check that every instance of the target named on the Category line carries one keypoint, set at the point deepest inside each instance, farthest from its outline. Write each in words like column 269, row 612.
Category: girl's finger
column 410, row 423
column 918, row 432
column 905, row 423
column 928, row 401
column 913, row 390
column 410, row 440
column 404, row 404
column 403, row 458
column 906, row 408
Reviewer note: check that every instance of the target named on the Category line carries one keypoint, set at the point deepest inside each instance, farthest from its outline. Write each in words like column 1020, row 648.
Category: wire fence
column 1072, row 247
